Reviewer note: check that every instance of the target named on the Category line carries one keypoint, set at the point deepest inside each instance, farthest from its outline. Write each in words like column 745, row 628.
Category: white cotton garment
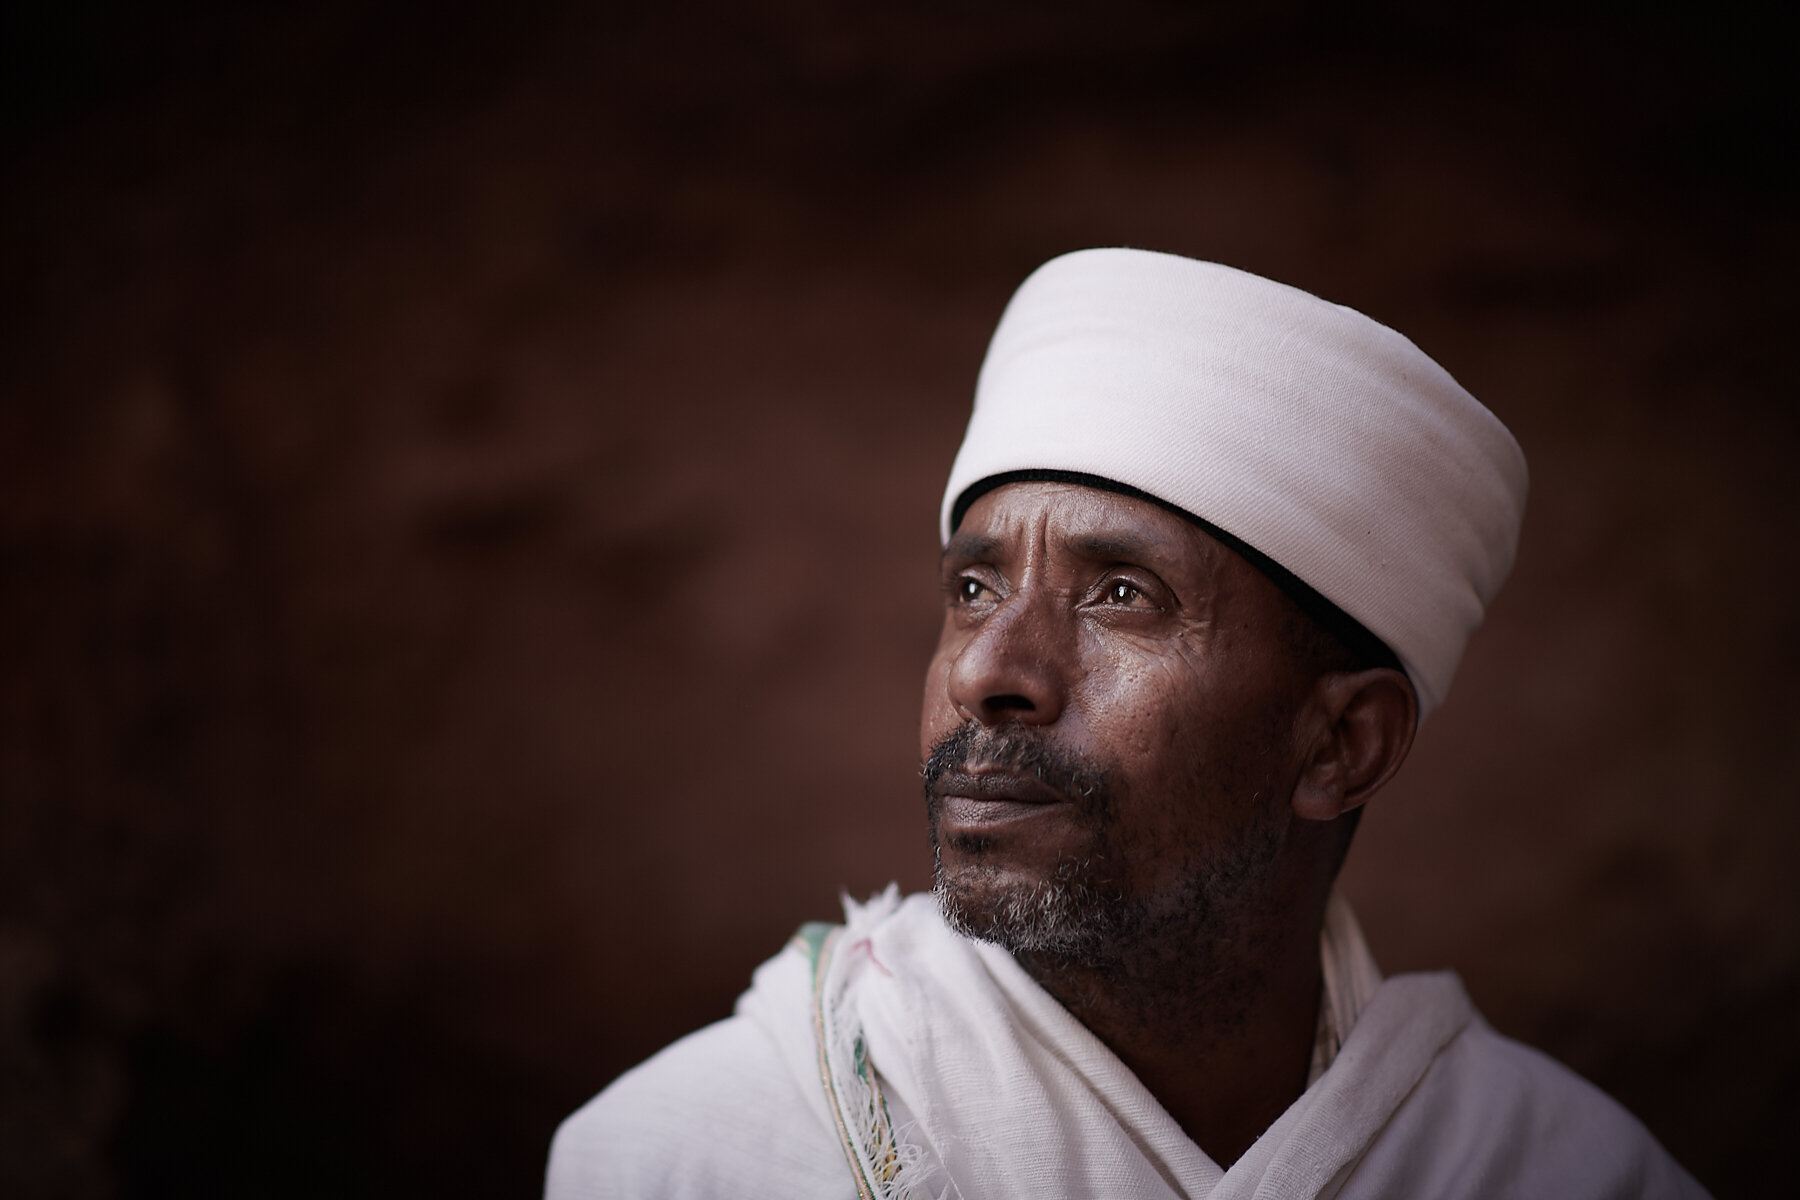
column 892, row 1057
column 1317, row 436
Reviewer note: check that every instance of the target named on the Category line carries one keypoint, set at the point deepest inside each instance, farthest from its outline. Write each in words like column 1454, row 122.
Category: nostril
column 1008, row 702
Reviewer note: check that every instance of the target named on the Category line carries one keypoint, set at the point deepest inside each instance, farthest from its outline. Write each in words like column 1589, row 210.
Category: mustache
column 1020, row 749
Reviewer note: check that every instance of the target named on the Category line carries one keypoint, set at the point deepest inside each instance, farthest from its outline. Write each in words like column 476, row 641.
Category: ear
column 1365, row 722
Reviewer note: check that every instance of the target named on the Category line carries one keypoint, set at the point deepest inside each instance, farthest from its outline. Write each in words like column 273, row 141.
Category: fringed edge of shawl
column 883, row 1165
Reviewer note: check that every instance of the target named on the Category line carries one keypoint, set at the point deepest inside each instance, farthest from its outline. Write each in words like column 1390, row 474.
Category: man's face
column 1107, row 725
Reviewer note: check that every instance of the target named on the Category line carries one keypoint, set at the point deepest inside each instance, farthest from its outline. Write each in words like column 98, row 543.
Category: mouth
column 982, row 799
column 986, row 784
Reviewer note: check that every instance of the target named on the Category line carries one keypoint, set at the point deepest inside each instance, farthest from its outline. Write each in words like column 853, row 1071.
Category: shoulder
column 1493, row 1117
column 720, row 1112
column 736, row 1109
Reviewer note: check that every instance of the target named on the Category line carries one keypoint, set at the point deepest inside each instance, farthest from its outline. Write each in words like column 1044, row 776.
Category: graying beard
column 1063, row 916
column 1078, row 915
column 1069, row 917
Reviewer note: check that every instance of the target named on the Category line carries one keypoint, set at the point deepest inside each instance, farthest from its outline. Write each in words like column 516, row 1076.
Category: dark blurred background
column 470, row 479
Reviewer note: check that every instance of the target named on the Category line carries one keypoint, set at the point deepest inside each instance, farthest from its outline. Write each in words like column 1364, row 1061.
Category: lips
column 981, row 797
column 979, row 778
column 983, row 783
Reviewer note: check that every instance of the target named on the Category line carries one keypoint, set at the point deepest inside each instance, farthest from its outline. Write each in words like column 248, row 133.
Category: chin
column 1063, row 912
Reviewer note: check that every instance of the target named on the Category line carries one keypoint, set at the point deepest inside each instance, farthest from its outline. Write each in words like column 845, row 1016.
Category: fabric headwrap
column 1304, row 430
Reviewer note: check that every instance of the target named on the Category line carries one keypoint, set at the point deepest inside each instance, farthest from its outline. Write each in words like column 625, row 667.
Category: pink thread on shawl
column 868, row 948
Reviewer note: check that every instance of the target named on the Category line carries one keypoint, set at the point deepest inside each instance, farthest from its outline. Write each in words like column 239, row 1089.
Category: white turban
column 1303, row 429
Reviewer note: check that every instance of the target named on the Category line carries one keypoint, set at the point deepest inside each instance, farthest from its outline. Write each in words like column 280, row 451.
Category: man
column 1212, row 548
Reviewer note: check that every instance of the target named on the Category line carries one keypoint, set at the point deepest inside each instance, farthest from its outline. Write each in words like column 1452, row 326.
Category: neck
column 1218, row 1027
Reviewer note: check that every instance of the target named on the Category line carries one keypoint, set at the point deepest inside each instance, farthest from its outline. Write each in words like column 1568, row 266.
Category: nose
column 1012, row 666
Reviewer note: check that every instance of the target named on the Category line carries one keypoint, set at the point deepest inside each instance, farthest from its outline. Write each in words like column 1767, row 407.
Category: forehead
column 1079, row 525
column 1087, row 521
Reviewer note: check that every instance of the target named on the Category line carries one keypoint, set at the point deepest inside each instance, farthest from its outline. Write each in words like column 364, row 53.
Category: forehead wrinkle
column 1088, row 526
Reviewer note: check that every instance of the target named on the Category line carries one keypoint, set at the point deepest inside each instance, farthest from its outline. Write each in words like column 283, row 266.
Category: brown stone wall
column 469, row 493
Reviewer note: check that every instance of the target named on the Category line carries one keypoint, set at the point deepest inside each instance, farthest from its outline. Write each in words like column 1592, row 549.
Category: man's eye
column 966, row 589
column 1119, row 592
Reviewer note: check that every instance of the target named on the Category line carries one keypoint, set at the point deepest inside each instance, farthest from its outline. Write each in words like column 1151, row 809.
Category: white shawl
column 890, row 1057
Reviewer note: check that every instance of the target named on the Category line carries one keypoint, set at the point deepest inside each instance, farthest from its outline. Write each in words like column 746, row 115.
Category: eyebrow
column 1116, row 547
column 970, row 546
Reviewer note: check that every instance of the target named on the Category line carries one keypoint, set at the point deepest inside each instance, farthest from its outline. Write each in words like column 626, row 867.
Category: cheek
column 1148, row 700
column 1149, row 713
